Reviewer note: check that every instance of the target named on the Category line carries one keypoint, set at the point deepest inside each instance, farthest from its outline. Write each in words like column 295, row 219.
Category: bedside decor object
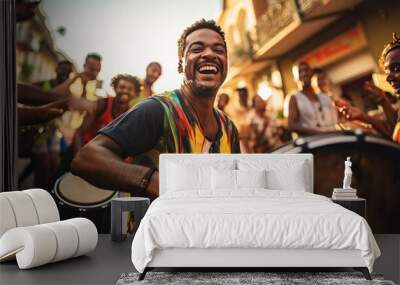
column 138, row 205
column 31, row 231
column 346, row 192
column 347, row 174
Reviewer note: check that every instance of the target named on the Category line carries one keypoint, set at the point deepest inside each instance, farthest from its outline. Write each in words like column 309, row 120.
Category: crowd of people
column 316, row 108
column 58, row 116
column 115, row 142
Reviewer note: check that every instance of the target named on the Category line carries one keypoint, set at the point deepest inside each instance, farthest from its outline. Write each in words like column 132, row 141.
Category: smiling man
column 181, row 121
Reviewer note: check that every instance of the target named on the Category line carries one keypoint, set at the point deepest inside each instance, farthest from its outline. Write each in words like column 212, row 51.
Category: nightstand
column 358, row 206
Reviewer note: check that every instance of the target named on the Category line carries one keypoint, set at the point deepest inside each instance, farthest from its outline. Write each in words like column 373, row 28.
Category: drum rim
column 315, row 142
column 63, row 199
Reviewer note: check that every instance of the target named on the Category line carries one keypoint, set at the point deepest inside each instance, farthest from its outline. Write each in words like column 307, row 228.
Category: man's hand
column 30, row 115
column 377, row 94
column 84, row 77
column 352, row 113
column 64, row 87
column 152, row 190
column 81, row 104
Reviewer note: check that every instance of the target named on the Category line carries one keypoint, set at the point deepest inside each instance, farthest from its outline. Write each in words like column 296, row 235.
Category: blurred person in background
column 84, row 86
column 45, row 152
column 37, row 109
column 390, row 63
column 260, row 129
column 153, row 73
column 223, row 101
column 125, row 87
column 243, row 109
column 310, row 113
column 63, row 71
column 322, row 83
column 239, row 115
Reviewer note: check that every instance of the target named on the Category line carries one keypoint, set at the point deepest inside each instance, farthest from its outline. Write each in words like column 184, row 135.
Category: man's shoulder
column 148, row 107
column 324, row 98
column 164, row 95
column 296, row 94
column 150, row 102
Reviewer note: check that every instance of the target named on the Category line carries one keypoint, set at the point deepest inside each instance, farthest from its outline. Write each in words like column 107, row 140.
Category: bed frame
column 242, row 259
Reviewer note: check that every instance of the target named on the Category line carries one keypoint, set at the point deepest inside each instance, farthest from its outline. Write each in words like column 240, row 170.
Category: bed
column 246, row 211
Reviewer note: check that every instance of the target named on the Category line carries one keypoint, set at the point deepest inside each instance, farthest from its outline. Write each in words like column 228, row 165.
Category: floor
column 389, row 262
column 106, row 264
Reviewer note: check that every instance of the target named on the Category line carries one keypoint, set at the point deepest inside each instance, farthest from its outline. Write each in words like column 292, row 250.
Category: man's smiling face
column 205, row 61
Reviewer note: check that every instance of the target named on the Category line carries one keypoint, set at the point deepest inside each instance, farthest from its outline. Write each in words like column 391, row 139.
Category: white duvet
column 253, row 218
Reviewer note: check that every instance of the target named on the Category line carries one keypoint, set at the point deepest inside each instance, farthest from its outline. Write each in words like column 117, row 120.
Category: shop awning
column 303, row 28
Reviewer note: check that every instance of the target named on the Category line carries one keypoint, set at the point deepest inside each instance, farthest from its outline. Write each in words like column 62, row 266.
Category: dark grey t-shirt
column 138, row 130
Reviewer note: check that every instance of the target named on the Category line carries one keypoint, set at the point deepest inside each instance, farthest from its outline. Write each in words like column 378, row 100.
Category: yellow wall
column 379, row 19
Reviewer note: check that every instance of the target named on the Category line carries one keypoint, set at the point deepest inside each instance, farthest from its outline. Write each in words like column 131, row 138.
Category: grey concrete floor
column 106, row 264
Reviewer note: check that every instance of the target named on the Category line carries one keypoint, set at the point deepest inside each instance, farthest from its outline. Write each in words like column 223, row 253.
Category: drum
column 77, row 198
column 375, row 166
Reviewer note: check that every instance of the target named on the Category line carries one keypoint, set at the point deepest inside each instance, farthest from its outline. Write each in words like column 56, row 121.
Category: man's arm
column 28, row 115
column 34, row 95
column 101, row 162
column 381, row 98
column 293, row 120
column 383, row 128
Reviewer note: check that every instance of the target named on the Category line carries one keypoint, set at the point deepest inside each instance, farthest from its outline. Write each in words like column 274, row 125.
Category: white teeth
column 208, row 67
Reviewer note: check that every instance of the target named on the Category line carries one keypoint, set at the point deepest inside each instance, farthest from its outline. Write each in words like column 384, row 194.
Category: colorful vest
column 182, row 134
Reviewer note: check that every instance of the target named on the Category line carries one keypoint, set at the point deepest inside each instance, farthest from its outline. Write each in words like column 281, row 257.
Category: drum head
column 75, row 191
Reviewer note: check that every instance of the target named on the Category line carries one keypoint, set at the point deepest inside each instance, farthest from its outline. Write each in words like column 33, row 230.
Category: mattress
column 250, row 219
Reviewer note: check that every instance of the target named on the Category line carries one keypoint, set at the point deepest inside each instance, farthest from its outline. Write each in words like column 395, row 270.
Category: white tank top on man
column 319, row 114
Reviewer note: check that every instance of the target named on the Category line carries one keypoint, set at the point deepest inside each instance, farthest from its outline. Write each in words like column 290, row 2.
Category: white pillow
column 282, row 174
column 295, row 180
column 223, row 179
column 182, row 177
column 251, row 178
column 188, row 174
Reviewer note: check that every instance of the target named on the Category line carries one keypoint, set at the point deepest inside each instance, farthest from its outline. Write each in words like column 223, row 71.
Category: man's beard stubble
column 198, row 89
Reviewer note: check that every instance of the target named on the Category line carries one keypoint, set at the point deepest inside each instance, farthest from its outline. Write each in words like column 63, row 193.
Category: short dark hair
column 200, row 24
column 303, row 62
column 154, row 63
column 127, row 77
column 319, row 71
column 395, row 43
column 93, row 55
column 65, row 62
